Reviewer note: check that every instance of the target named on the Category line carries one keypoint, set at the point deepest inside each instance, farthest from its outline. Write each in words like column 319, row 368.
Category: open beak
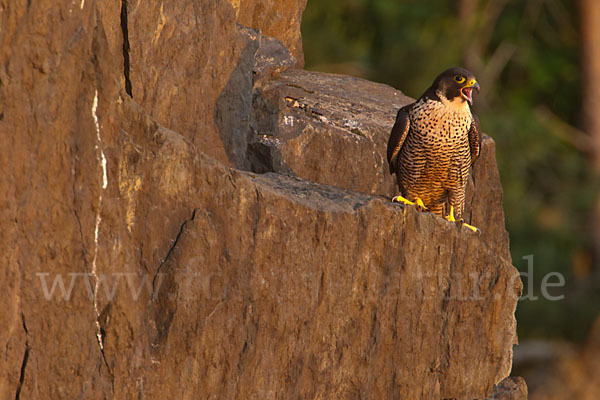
column 467, row 91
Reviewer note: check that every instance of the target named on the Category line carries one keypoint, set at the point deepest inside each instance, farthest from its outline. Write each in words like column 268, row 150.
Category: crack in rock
column 156, row 275
column 126, row 48
column 25, row 359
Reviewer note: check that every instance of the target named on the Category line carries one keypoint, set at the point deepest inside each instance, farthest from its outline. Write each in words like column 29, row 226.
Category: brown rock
column 330, row 310
column 484, row 204
column 55, row 63
column 186, row 278
column 329, row 128
column 182, row 54
column 190, row 66
column 334, row 129
column 263, row 58
column 511, row 388
column 289, row 287
column 276, row 18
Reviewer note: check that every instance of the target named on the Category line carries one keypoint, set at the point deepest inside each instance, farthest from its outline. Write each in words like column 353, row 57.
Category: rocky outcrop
column 138, row 262
column 334, row 129
column 328, row 128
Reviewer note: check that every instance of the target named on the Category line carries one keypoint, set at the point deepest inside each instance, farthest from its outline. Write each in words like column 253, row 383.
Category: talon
column 450, row 218
column 400, row 199
column 471, row 227
column 420, row 205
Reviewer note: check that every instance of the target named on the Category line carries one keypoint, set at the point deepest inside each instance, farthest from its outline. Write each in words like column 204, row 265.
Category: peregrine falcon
column 434, row 143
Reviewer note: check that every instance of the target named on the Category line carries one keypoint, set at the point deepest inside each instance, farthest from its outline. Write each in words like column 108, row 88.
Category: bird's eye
column 459, row 79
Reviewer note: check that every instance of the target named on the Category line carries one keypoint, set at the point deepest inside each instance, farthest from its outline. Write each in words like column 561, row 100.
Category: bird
column 433, row 145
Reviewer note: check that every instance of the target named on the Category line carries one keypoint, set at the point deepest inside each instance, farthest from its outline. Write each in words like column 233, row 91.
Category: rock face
column 277, row 18
column 138, row 263
column 334, row 129
column 329, row 128
column 184, row 51
column 324, row 292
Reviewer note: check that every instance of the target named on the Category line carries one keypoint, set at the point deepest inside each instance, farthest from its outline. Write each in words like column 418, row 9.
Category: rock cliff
column 184, row 215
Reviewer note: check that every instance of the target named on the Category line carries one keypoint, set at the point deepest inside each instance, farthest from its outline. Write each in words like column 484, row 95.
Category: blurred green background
column 527, row 57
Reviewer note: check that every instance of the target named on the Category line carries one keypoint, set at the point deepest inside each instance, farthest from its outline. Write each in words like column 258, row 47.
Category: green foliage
column 526, row 55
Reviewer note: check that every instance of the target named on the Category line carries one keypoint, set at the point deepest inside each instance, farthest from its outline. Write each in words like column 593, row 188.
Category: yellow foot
column 418, row 202
column 471, row 227
column 450, row 217
column 400, row 199
column 420, row 205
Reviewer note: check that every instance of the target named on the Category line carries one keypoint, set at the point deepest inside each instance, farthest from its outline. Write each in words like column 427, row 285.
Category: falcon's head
column 456, row 82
